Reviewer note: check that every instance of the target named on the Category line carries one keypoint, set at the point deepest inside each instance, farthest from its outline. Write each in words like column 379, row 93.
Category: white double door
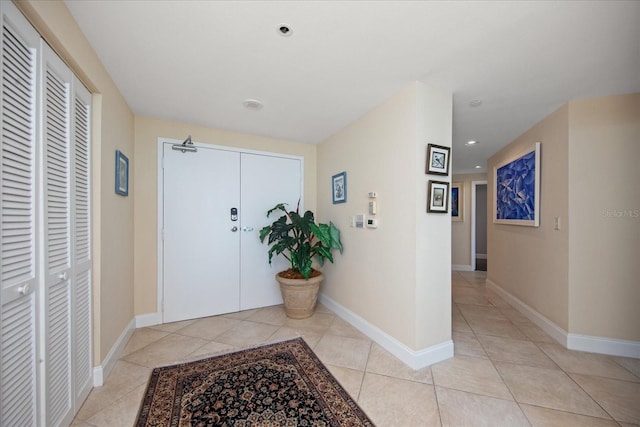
column 215, row 202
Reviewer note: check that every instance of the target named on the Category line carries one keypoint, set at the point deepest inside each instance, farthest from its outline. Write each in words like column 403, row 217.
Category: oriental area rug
column 282, row 384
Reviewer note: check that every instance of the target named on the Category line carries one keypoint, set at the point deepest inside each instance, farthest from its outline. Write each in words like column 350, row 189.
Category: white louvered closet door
column 81, row 242
column 58, row 292
column 67, row 244
column 18, row 272
column 45, row 271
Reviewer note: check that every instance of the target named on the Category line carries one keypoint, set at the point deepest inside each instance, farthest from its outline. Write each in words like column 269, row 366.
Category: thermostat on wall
column 358, row 221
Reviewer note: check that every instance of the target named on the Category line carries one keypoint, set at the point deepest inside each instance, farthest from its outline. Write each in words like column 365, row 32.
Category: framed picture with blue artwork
column 457, row 202
column 122, row 174
column 516, row 198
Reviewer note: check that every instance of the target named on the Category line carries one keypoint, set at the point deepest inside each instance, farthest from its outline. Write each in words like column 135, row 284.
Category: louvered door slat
column 18, row 362
column 81, row 175
column 18, row 270
column 16, row 90
column 57, row 168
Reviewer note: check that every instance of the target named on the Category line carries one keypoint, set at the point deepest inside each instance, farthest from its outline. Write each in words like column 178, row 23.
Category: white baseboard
column 556, row 332
column 481, row 256
column 101, row 372
column 414, row 359
column 461, row 267
column 148, row 319
column 592, row 344
column 612, row 347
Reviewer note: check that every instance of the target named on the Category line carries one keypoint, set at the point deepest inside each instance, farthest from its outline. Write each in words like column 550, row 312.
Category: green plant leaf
column 278, row 207
column 335, row 237
column 299, row 239
column 264, row 232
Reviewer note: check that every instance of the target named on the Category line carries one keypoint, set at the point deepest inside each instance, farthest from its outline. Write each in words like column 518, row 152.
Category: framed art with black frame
column 438, row 159
column 437, row 197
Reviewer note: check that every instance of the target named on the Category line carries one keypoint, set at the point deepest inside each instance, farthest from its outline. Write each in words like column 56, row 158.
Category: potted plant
column 299, row 239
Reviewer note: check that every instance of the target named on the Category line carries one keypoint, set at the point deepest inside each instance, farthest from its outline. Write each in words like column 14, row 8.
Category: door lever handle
column 247, row 228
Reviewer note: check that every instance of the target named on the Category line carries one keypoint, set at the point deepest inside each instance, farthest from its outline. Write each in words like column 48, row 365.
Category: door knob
column 234, row 228
column 24, row 289
column 63, row 276
column 247, row 228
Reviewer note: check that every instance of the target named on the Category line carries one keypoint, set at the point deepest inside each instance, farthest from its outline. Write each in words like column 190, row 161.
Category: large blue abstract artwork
column 517, row 189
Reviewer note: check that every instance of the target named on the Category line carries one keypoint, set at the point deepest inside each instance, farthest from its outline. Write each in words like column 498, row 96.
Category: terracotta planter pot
column 299, row 295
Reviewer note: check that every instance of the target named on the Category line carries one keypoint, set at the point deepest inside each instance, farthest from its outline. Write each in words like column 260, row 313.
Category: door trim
column 160, row 202
column 474, row 184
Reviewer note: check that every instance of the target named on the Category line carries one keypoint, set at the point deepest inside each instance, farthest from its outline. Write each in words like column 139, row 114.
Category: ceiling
column 197, row 61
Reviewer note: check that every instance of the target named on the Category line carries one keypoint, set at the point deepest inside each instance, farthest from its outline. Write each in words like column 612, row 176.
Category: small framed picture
column 438, row 197
column 122, row 174
column 437, row 159
column 339, row 188
column 457, row 201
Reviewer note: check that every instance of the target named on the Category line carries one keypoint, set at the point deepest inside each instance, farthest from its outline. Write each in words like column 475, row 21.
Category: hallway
column 506, row 371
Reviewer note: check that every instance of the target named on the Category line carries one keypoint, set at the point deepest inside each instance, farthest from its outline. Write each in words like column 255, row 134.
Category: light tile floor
column 506, row 371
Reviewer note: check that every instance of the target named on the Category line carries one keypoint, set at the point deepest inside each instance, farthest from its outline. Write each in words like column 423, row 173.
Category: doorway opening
column 479, row 259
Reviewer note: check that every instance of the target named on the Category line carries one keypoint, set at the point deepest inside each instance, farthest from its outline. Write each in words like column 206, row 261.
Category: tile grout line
column 524, row 414
column 554, row 362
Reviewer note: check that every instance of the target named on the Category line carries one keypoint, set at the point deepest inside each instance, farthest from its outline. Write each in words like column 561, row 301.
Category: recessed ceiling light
column 478, row 167
column 285, row 30
column 252, row 104
column 472, row 142
column 475, row 103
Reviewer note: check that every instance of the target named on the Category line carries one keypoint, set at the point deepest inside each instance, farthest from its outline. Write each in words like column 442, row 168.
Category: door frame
column 160, row 203
column 474, row 184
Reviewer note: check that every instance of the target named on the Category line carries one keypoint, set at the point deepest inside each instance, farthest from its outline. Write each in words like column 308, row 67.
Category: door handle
column 234, row 228
column 24, row 289
column 247, row 228
column 63, row 276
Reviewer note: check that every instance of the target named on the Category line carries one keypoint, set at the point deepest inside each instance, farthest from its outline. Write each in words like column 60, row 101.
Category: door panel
column 81, row 240
column 18, row 257
column 201, row 252
column 57, row 222
column 265, row 182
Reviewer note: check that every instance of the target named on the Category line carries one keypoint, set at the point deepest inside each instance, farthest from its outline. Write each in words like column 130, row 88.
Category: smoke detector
column 252, row 104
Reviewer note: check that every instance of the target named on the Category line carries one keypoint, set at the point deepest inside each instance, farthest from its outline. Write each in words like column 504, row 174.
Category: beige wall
column 531, row 263
column 112, row 123
column 397, row 276
column 604, row 214
column 147, row 132
column 461, row 230
column 583, row 277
